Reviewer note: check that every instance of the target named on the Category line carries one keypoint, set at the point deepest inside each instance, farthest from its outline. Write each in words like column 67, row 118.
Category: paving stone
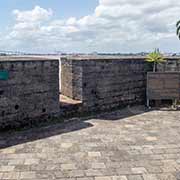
column 135, row 177
column 64, row 179
column 166, row 176
column 93, row 172
column 1, row 175
column 119, row 178
column 154, row 169
column 158, row 151
column 86, row 178
column 51, row 167
column 74, row 173
column 149, row 177
column 156, row 163
column 139, row 170
column 170, row 156
column 22, row 168
column 11, row 175
column 27, row 175
column 168, row 168
column 66, row 145
column 4, row 163
column 103, row 178
column 94, row 154
column 68, row 166
column 157, row 157
column 150, row 138
column 98, row 166
column 45, row 175
column 123, row 171
column 172, row 150
column 6, row 168
column 8, row 151
column 146, row 151
column 106, row 150
column 31, row 161
column 16, row 162
column 115, row 165
column 58, row 174
column 177, row 175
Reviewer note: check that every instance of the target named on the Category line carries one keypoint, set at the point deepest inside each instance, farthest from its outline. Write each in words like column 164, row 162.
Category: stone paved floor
column 113, row 146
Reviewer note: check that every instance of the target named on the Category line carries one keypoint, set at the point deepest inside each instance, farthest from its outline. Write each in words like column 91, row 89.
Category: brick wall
column 171, row 64
column 105, row 83
column 71, row 78
column 30, row 91
column 111, row 83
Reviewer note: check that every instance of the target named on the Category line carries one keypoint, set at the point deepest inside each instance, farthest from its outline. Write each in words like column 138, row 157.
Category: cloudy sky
column 89, row 25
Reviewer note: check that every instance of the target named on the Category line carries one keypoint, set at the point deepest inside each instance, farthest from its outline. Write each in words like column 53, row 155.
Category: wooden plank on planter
column 163, row 85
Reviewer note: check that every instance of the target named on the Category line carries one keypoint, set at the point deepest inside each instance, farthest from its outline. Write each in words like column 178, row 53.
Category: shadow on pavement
column 12, row 138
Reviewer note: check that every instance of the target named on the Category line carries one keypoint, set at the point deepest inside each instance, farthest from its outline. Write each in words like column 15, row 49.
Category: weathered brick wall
column 104, row 83
column 71, row 79
column 66, row 78
column 31, row 90
column 163, row 85
column 171, row 64
column 111, row 83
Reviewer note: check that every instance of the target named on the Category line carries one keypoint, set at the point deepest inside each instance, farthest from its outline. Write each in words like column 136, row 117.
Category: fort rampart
column 29, row 89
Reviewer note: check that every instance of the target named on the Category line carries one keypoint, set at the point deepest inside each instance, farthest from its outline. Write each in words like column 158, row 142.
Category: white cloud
column 71, row 21
column 37, row 14
column 115, row 25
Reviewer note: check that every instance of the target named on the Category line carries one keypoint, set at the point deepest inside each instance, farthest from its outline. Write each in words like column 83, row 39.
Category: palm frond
column 178, row 31
column 178, row 23
column 155, row 57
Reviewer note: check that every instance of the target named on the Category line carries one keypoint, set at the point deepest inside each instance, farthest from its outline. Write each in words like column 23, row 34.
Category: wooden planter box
column 163, row 86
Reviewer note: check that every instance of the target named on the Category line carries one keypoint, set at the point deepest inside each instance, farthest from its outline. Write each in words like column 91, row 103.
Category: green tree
column 178, row 29
column 155, row 58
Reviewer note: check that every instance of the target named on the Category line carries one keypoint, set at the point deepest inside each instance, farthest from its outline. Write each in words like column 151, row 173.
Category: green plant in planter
column 178, row 29
column 155, row 58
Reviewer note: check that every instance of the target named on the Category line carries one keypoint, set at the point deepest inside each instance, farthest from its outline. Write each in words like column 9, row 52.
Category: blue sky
column 61, row 8
column 89, row 25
